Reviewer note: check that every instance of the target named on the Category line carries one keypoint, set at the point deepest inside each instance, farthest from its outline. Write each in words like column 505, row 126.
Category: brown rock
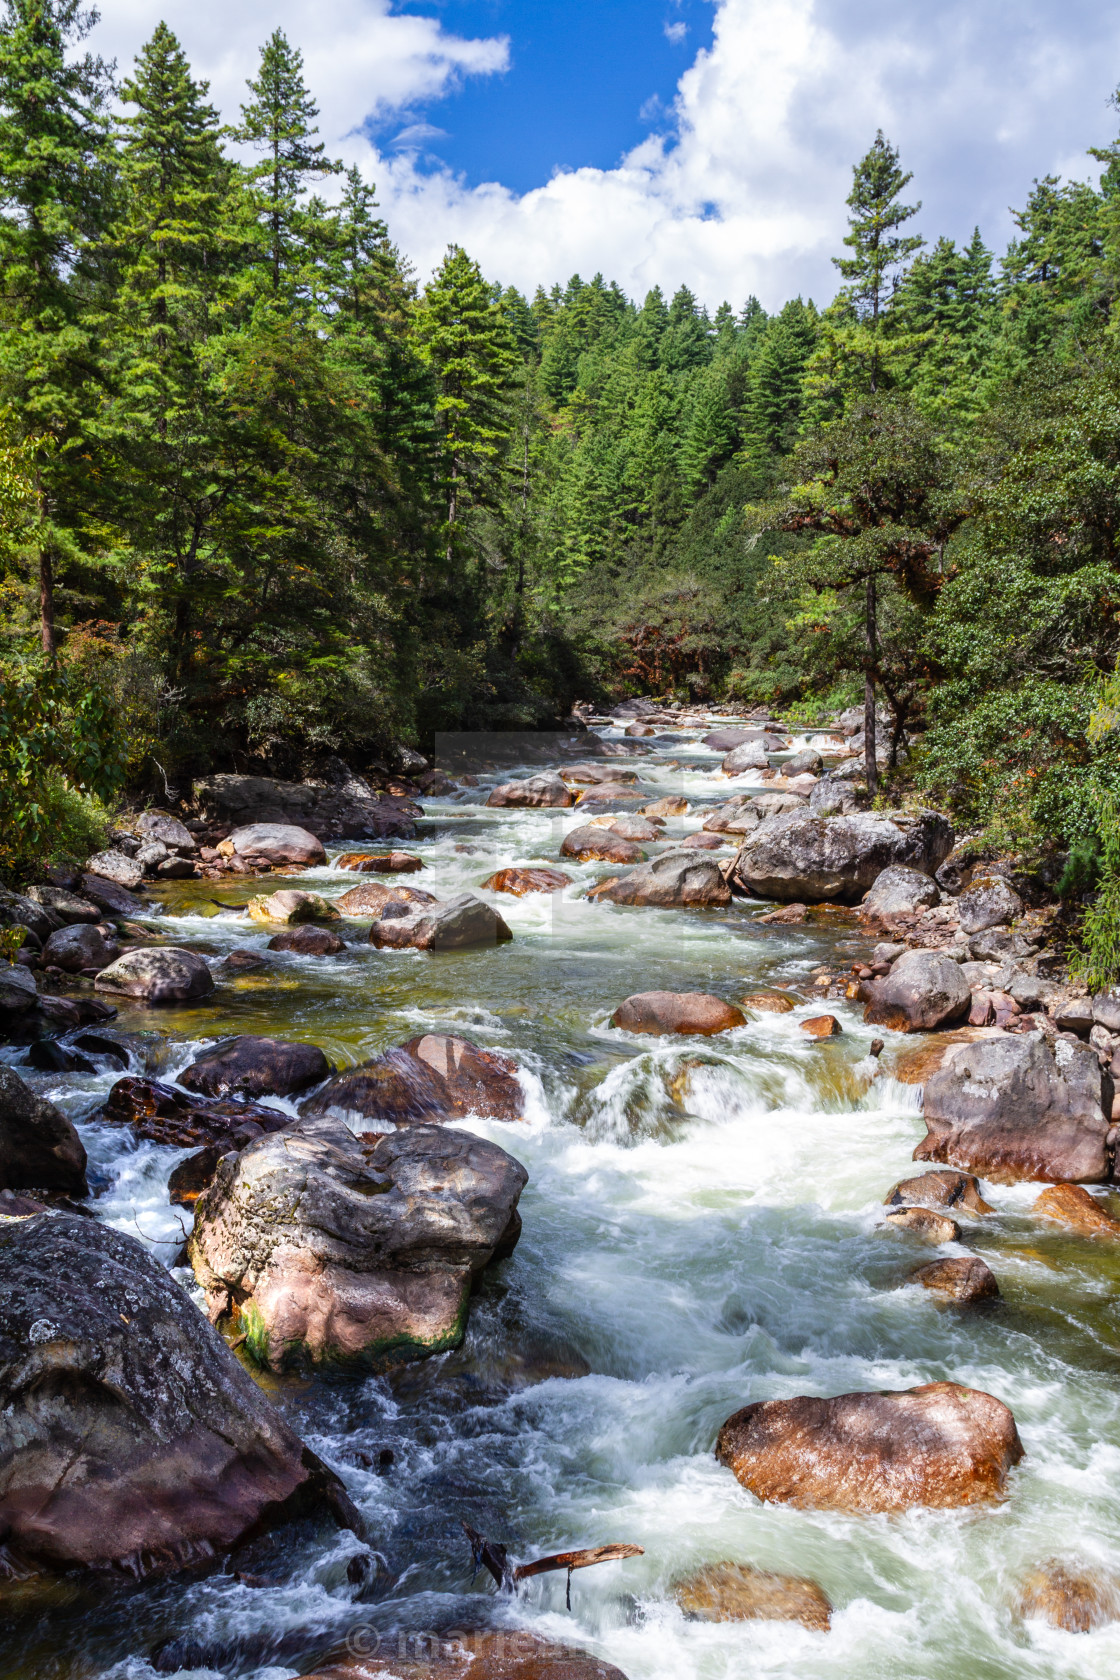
column 584, row 774
column 964, row 1279
column 1076, row 1601
column 639, row 829
column 675, row 880
column 293, row 906
column 430, row 1079
column 191, row 1177
column 736, row 1592
column 606, row 793
column 307, row 941
column 39, row 1147
column 380, row 863
column 702, row 842
column 924, row 1223
column 821, row 1026
column 937, row 1445
column 546, row 790
column 923, row 990
column 255, row 1067
column 795, row 913
column 589, row 843
column 166, row 1115
column 914, row 1064
column 1075, row 1207
column 450, row 925
column 770, row 1003
column 371, row 898
column 673, row 805
column 162, row 974
column 519, row 882
column 939, row 1189
column 506, row 1654
column 275, row 843
column 677, row 1012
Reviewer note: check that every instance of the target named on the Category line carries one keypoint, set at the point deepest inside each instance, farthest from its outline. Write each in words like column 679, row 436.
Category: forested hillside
column 267, row 495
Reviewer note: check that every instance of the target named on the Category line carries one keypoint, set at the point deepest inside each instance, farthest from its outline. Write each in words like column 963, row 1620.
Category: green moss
column 257, row 1340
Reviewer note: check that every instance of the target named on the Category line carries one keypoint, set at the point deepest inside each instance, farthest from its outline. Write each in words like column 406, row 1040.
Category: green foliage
column 1098, row 963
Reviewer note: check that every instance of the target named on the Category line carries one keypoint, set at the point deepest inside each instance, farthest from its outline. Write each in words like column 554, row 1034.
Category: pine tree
column 279, row 121
column 463, row 338
column 52, row 180
column 774, row 394
column 876, row 212
column 710, row 432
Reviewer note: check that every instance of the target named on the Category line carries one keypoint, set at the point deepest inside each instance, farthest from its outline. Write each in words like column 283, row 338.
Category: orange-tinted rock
column 964, row 1279
column 371, row 898
column 937, row 1445
column 628, row 828
column 673, row 805
column 677, row 1012
column 795, row 913
column 1075, row 1207
column 433, row 1078
column 956, row 1190
column 914, row 1066
column 701, row 842
column 924, row 1223
column 505, row 1654
column 771, row 1003
column 380, row 863
column 166, row 1115
column 736, row 1592
column 1077, row 1601
column 308, row 941
column 821, row 1026
column 589, row 843
column 606, row 793
column 522, row 881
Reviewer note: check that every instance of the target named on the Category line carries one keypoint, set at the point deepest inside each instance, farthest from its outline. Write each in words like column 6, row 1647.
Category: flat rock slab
column 255, row 1067
column 677, row 1012
column 736, row 1592
column 130, row 1435
column 167, row 1115
column 521, row 882
column 429, row 1080
column 353, row 1250
column 39, row 1147
column 161, row 974
column 937, row 1445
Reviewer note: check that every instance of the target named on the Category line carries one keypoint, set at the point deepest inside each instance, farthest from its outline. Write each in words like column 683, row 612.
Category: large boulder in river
column 449, row 925
column 924, row 990
column 1011, row 1109
column 988, row 903
column 677, row 1012
column 520, row 882
column 739, row 816
column 504, row 1653
column 111, row 896
column 431, row 1079
column 39, row 1148
column 130, row 1437
column 276, row 843
column 937, row 1445
column 349, row 809
column 371, row 897
column 18, row 991
column 546, row 790
column 594, row 842
column 162, row 826
column 675, row 880
column 292, row 906
column 255, row 1067
column 354, row 1249
column 116, row 867
column 900, row 890
column 752, row 755
column 79, row 947
column 161, row 974
column 804, row 859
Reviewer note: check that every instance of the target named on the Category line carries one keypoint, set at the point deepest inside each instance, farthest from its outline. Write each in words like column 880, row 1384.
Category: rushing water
column 702, row 1228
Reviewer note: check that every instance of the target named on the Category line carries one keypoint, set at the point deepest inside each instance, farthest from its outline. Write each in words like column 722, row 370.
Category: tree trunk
column 870, row 760
column 46, row 601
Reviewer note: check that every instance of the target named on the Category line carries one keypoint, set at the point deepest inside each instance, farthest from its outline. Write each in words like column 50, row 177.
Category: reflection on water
column 702, row 1228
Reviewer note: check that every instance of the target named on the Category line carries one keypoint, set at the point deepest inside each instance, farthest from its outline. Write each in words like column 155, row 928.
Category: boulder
column 957, row 1190
column 1011, row 1109
column 677, row 1012
column 726, row 740
column 924, row 990
column 66, row 904
column 752, row 755
column 1075, row 1014
column 607, row 793
column 988, row 903
column 431, row 1079
column 1106, row 1011
column 275, row 843
column 162, row 974
column 1076, row 1599
column 79, row 947
column 447, row 926
column 737, row 1592
column 899, row 891
column 348, row 809
column 770, row 1003
column 738, row 816
column 39, row 1147
column 130, row 1436
column 635, row 828
column 545, row 790
column 807, row 761
column 1074, row 1207
column 308, row 941
column 164, row 1114
column 701, row 842
column 161, row 826
column 924, row 1224
column 18, row 991
column 255, row 1067
column 597, row 843
column 116, row 867
column 587, row 774
column 821, row 1026
column 292, row 906
column 353, row 1250
column 797, row 856
column 110, row 896
column 22, row 910
column 937, row 1445
column 659, row 810
column 371, row 898
column 519, row 882
column 674, row 880
column 832, row 798
column 963, row 1279
column 779, row 804
column 381, row 863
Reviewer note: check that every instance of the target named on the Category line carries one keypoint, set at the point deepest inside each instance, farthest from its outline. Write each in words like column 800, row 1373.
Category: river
column 702, row 1228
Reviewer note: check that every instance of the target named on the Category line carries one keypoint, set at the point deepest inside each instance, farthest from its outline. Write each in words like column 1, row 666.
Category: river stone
column 701, row 842
column 519, row 882
column 584, row 774
column 160, row 825
column 677, row 1012
column 110, row 896
column 380, row 863
column 635, row 828
column 752, row 755
column 806, row 858
column 431, row 1079
column 27, row 911
column 925, row 1224
column 821, row 1026
column 1106, row 1010
column 956, row 1190
column 371, row 898
column 308, row 941
column 18, row 991
column 1076, row 1208
column 899, row 890
column 738, row 816
column 162, row 974
column 962, row 1278
column 737, row 1592
column 39, row 1147
column 770, row 1002
column 164, row 1114
column 674, row 880
column 448, row 926
column 70, row 906
column 545, row 790
column 482, row 1654
column 292, row 905
column 659, row 810
column 833, row 798
column 807, row 761
column 988, row 903
column 79, row 947
column 276, row 843
column 114, row 866
column 1075, row 1599
column 1010, row 1109
column 924, row 990
column 607, row 793
column 596, row 842
column 354, row 1250
column 255, row 1067
column 129, row 1434
column 726, row 740
column 936, row 1445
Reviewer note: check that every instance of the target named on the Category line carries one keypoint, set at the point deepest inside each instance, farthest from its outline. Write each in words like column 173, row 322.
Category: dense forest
column 265, row 497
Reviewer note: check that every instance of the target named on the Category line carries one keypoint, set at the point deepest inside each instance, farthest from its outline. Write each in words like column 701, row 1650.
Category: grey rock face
column 21, row 910
column 114, row 866
column 79, row 947
column 255, row 1067
column 159, row 825
column 924, row 990
column 68, row 906
column 752, row 755
column 18, row 991
column 987, row 904
column 900, row 890
column 802, row 858
column 808, row 760
column 39, row 1148
column 675, row 880
column 351, row 811
column 546, row 790
column 162, row 974
column 444, row 926
column 278, row 843
column 832, row 798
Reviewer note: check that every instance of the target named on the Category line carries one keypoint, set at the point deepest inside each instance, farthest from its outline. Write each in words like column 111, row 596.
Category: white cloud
column 676, row 32
column 748, row 193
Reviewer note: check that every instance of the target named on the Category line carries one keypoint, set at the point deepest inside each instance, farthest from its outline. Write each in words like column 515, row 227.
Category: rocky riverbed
column 536, row 1150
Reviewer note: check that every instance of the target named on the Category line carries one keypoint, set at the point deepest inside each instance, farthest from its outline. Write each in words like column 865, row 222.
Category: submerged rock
column 255, row 1067
column 964, row 1279
column 519, row 882
column 1076, row 1208
column 925, row 1224
column 433, row 1078
column 736, row 1592
column 129, row 1434
column 956, row 1190
column 1077, row 1598
column 675, row 880
column 162, row 974
column 677, row 1012
column 797, row 856
column 360, row 1250
column 936, row 1445
column 924, row 990
column 39, row 1147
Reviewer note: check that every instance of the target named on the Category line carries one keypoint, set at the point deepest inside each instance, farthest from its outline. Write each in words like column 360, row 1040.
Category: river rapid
column 703, row 1227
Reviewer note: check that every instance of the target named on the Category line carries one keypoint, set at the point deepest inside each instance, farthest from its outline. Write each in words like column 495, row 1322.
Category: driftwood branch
column 490, row 1555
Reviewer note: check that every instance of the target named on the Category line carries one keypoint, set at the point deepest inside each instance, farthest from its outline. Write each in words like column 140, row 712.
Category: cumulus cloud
column 746, row 192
